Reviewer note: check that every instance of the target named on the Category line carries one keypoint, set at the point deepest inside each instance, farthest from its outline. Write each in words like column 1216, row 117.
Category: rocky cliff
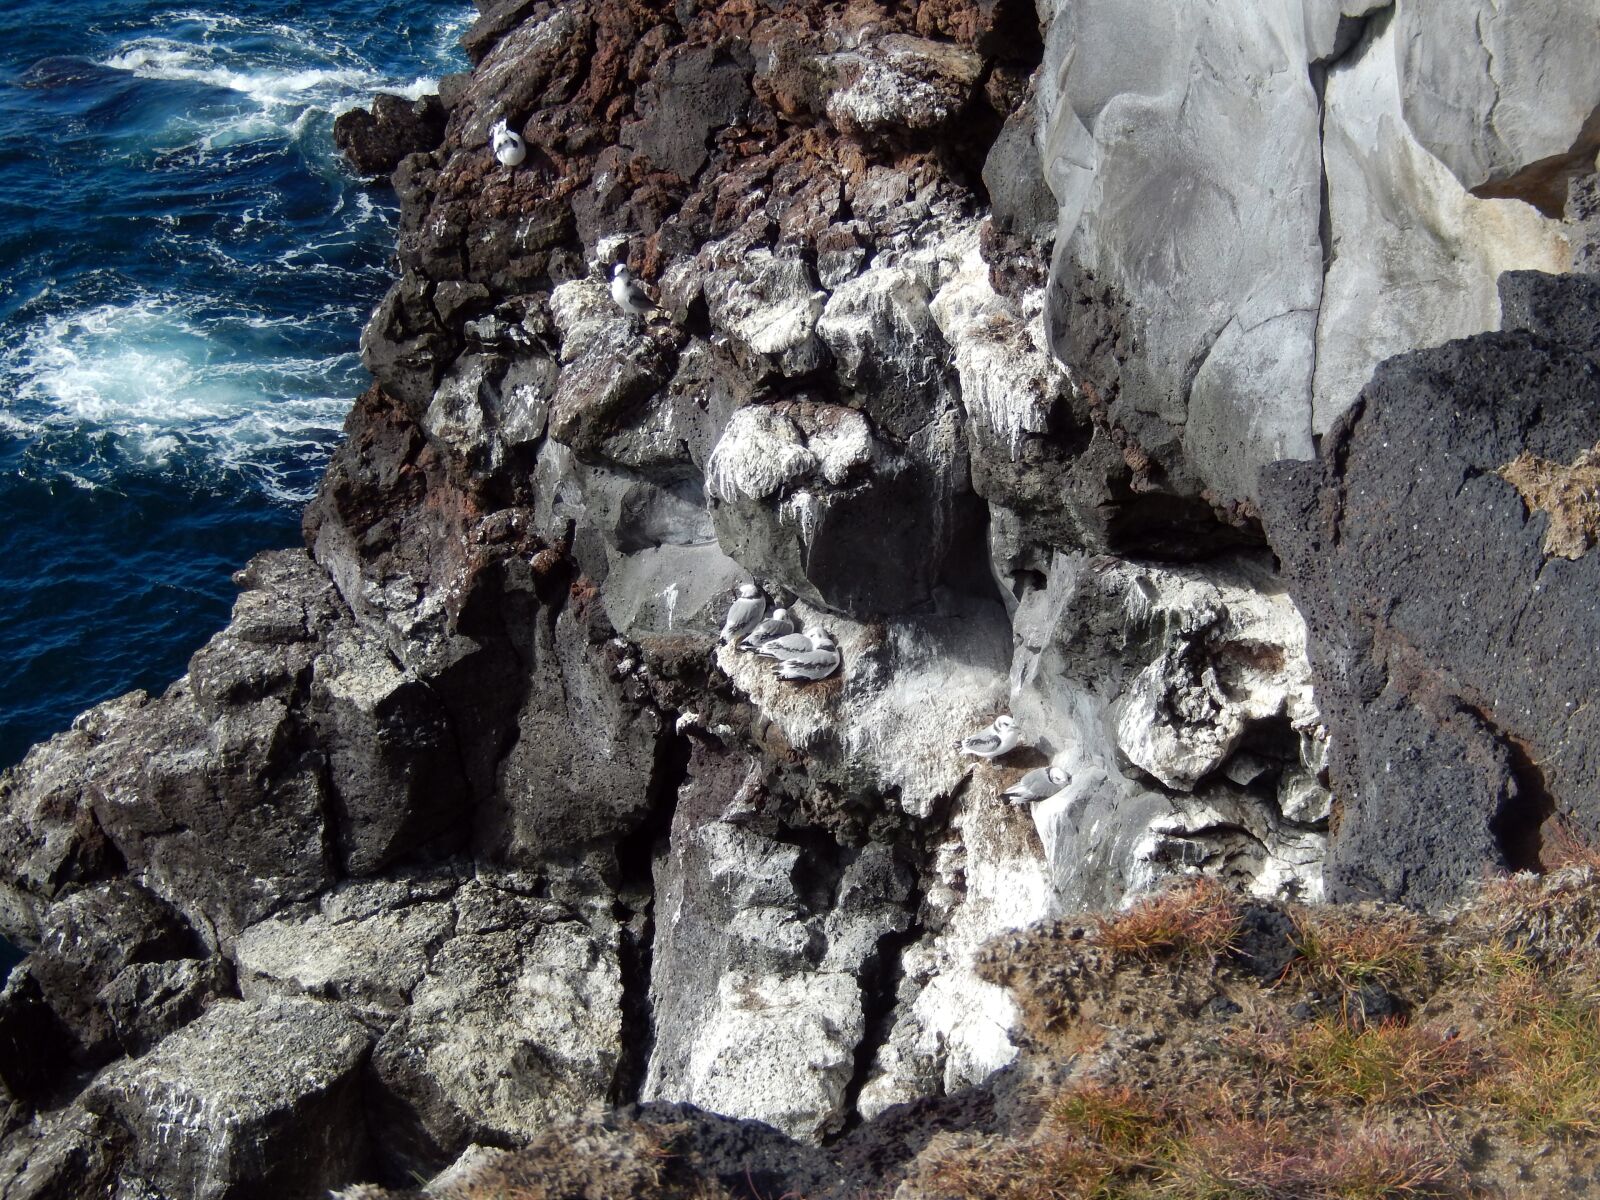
column 981, row 332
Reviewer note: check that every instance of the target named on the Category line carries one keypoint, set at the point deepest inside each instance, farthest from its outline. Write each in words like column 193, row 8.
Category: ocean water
column 184, row 270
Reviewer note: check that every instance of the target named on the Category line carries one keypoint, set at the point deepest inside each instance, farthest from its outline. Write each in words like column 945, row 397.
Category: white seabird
column 776, row 626
column 789, row 645
column 1037, row 785
column 509, row 148
column 1000, row 738
column 629, row 293
column 819, row 662
column 744, row 614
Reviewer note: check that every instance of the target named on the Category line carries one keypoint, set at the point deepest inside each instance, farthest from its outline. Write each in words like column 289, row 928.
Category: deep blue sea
column 184, row 270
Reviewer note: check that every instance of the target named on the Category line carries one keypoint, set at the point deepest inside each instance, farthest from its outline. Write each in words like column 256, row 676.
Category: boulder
column 887, row 349
column 390, row 749
column 793, row 484
column 253, row 1100
column 769, row 307
column 516, row 1023
column 88, row 941
column 896, row 84
column 36, row 1048
column 1459, row 728
column 374, row 140
column 67, row 1155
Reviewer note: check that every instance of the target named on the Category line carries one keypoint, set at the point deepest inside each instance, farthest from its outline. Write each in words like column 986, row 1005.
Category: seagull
column 817, row 663
column 776, row 626
column 1037, row 785
column 1000, row 738
column 509, row 148
column 788, row 646
column 744, row 614
column 629, row 293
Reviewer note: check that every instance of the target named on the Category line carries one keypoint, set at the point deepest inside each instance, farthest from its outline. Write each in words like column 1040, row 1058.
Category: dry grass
column 1565, row 847
column 1197, row 919
column 1546, row 1081
column 1347, row 948
column 1105, row 1143
column 1273, row 1160
column 1388, row 1064
column 1549, row 920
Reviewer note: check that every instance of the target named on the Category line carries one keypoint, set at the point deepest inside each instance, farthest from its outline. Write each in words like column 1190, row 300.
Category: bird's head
column 747, row 591
column 1058, row 776
column 1004, row 723
column 620, row 271
column 780, row 614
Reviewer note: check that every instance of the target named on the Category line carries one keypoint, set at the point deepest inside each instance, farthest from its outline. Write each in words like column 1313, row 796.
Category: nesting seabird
column 791, row 644
column 1000, row 738
column 509, row 148
column 629, row 293
column 744, row 614
column 819, row 662
column 1037, row 785
column 776, row 626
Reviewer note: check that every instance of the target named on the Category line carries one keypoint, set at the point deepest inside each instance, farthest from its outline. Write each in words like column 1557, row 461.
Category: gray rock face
column 1179, row 702
column 1205, row 192
column 1192, row 198
column 1460, row 726
column 517, row 1021
column 252, row 1100
column 1402, row 225
column 1507, row 96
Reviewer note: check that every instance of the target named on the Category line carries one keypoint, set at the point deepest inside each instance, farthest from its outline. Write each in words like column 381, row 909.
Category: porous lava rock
column 1459, row 706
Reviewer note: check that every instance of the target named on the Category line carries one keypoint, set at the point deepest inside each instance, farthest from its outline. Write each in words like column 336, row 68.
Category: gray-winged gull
column 1036, row 785
column 629, row 293
column 1000, row 738
column 776, row 626
column 744, row 614
column 819, row 662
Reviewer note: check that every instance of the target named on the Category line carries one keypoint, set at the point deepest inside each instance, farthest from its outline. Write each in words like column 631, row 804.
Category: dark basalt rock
column 1453, row 655
column 35, row 1046
column 254, row 1101
column 374, row 140
column 696, row 90
column 1014, row 176
column 88, row 942
column 1264, row 945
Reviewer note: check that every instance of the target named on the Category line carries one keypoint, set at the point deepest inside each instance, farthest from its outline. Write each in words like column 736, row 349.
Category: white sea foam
column 163, row 376
column 286, row 81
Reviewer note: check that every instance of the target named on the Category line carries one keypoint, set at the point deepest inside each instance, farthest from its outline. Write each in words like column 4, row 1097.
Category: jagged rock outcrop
column 470, row 796
column 1461, row 705
column 374, row 140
